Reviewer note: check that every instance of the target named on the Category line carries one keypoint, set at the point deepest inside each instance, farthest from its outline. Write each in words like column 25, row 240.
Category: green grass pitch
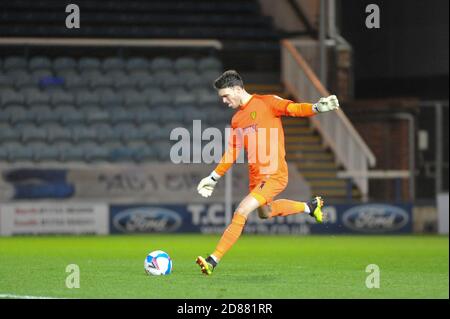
column 257, row 267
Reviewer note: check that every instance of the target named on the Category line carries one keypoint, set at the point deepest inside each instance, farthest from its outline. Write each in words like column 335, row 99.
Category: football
column 158, row 263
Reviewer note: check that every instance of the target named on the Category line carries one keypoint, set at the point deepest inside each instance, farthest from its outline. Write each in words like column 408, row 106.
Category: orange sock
column 230, row 235
column 284, row 207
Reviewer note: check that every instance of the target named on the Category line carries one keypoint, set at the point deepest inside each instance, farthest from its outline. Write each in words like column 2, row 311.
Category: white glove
column 326, row 104
column 206, row 185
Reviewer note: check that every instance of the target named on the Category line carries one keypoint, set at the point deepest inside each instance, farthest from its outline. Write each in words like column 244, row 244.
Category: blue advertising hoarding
column 374, row 218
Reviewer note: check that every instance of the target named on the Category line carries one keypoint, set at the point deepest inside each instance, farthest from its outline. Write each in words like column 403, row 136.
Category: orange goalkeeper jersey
column 257, row 127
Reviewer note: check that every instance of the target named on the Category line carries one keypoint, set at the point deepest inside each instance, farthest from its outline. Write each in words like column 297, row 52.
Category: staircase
column 317, row 164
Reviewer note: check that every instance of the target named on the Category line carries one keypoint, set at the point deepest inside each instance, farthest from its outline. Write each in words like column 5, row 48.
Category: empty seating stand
column 103, row 109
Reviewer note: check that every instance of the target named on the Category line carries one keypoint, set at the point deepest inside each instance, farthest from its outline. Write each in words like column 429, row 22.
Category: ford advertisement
column 374, row 218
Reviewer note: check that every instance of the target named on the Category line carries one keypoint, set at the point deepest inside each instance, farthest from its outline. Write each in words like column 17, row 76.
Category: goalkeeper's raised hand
column 326, row 104
column 206, row 185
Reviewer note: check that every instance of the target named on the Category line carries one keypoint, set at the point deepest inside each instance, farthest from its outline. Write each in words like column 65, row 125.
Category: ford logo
column 375, row 218
column 147, row 220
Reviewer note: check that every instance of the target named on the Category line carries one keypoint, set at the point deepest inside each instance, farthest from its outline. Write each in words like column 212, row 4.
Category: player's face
column 231, row 96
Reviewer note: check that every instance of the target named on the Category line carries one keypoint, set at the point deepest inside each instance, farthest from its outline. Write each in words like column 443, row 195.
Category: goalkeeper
column 256, row 118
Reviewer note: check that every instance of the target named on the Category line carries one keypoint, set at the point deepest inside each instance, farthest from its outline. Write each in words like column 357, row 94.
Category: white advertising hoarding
column 53, row 218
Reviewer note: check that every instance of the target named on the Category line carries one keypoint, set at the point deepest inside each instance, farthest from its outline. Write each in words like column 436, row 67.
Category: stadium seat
column 44, row 152
column 137, row 63
column 61, row 98
column 109, row 98
column 39, row 63
column 105, row 133
column 69, row 152
column 151, row 131
column 142, row 151
column 34, row 96
column 128, row 132
column 143, row 114
column 119, row 114
column 156, row 97
column 42, row 114
column 112, row 63
column 11, row 97
column 161, row 64
column 74, row 81
column 18, row 152
column 169, row 114
column 167, row 79
column 14, row 62
column 17, row 114
column 183, row 64
column 162, row 149
column 94, row 152
column 209, row 64
column 86, row 97
column 68, row 114
column 8, row 132
column 31, row 132
column 64, row 63
column 133, row 98
column 118, row 152
column 88, row 63
column 57, row 133
column 95, row 114
column 81, row 133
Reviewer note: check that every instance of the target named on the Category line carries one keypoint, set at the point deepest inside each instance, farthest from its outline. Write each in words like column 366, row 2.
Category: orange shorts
column 265, row 190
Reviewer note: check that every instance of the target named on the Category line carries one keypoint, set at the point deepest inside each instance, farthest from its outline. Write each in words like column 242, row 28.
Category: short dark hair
column 228, row 79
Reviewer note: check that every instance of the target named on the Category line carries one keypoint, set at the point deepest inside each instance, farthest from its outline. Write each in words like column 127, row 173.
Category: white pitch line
column 24, row 297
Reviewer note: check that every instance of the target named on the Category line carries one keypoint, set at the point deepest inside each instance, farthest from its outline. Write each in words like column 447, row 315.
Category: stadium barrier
column 35, row 218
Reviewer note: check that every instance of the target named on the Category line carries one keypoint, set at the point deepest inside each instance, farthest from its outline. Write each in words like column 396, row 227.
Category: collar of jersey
column 248, row 102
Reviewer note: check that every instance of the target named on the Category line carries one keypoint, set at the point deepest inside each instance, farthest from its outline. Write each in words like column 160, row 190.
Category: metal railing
column 335, row 128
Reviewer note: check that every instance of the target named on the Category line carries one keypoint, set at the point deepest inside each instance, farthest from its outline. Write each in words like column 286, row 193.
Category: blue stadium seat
column 11, row 97
column 86, row 97
column 39, row 62
column 95, row 114
column 161, row 64
column 31, row 132
column 151, row 131
column 57, row 132
column 8, row 132
column 162, row 149
column 142, row 151
column 42, row 114
column 82, row 133
column 113, row 63
column 93, row 152
column 18, row 152
column 133, row 98
column 68, row 114
column 183, row 64
column 119, row 114
column 34, row 96
column 157, row 97
column 168, row 114
column 137, row 63
column 69, row 152
column 144, row 114
column 64, row 63
column 105, row 133
column 14, row 62
column 59, row 97
column 44, row 152
column 128, row 132
column 17, row 114
column 88, row 63
column 209, row 64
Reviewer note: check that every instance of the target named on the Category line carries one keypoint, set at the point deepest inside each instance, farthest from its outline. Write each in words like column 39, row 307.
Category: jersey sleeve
column 231, row 154
column 277, row 104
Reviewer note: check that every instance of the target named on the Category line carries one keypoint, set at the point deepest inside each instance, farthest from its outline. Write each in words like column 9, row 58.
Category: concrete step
column 316, row 165
column 309, row 139
column 295, row 122
column 319, row 174
column 294, row 130
column 293, row 147
column 312, row 156
column 337, row 183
